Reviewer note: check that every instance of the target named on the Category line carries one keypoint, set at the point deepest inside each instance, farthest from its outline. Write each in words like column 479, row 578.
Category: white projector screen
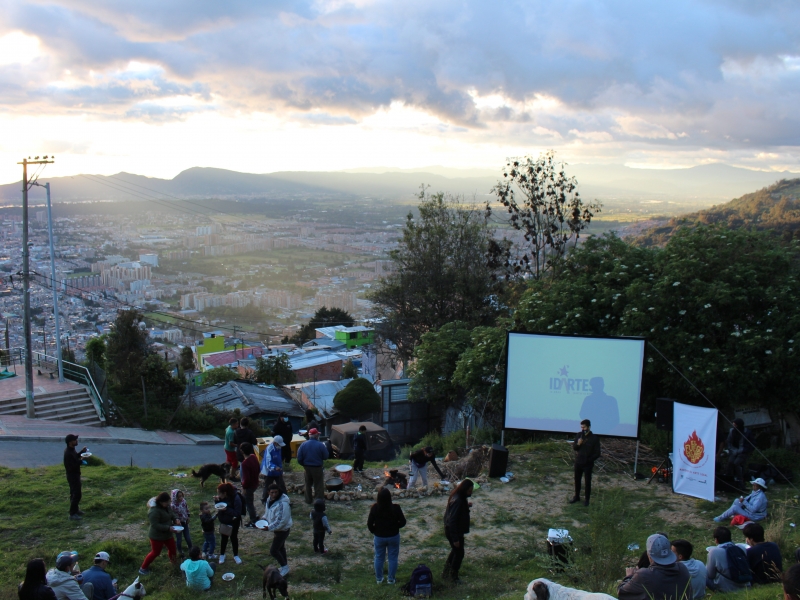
column 553, row 382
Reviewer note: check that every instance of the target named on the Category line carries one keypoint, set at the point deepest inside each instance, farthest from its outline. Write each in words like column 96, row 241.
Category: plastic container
column 345, row 473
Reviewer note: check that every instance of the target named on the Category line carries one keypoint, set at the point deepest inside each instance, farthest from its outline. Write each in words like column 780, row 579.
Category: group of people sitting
column 66, row 581
column 667, row 571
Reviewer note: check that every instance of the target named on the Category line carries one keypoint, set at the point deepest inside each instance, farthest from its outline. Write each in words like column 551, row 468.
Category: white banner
column 694, row 446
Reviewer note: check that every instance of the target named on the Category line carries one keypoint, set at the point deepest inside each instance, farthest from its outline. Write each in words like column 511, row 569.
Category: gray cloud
column 674, row 75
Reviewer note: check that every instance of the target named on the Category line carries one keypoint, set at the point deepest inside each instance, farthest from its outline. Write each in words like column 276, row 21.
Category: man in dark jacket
column 104, row 586
column 72, row 465
column 587, row 450
column 766, row 562
column 359, row 449
column 249, row 470
column 665, row 579
column 740, row 447
column 311, row 456
column 241, row 435
column 283, row 428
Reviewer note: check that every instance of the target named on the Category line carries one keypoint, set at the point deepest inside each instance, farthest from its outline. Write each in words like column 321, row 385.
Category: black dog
column 222, row 471
column 274, row 583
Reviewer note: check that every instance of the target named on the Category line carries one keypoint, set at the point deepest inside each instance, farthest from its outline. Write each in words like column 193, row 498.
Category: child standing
column 320, row 524
column 209, row 537
column 182, row 512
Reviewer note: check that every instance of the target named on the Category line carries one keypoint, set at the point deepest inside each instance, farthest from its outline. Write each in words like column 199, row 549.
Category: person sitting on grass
column 64, row 579
column 104, row 586
column 683, row 550
column 665, row 579
column 718, row 573
column 198, row 572
column 35, row 585
column 791, row 583
column 764, row 558
column 753, row 507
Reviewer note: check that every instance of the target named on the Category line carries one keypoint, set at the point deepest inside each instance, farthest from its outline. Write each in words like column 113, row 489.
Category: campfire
column 395, row 478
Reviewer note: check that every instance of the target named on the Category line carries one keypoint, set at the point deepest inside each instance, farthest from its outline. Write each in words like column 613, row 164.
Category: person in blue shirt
column 311, row 456
column 104, row 586
column 753, row 506
column 199, row 572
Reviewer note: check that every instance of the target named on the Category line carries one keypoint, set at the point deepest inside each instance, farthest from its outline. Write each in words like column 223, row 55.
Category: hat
column 659, row 551
column 70, row 438
column 102, row 556
column 760, row 482
column 66, row 559
column 313, row 431
column 278, row 441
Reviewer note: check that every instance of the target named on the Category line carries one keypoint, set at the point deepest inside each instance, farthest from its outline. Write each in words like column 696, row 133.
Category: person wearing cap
column 249, row 471
column 740, row 446
column 717, row 572
column 419, row 466
column 311, row 456
column 764, row 558
column 63, row 580
column 753, row 506
column 283, row 429
column 272, row 466
column 104, row 587
column 665, row 579
column 72, row 465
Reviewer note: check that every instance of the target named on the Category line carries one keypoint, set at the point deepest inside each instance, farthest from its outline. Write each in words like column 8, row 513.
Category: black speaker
column 665, row 409
column 498, row 461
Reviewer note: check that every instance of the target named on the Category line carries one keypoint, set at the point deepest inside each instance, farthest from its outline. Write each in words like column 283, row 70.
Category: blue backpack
column 421, row 583
column 738, row 567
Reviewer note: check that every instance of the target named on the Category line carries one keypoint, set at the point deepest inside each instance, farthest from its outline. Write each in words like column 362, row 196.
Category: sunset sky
column 155, row 87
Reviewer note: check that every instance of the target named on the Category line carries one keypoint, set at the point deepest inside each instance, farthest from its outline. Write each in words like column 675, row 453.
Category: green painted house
column 354, row 337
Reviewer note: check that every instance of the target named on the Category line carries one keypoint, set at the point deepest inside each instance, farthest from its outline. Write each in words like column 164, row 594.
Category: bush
column 656, row 439
column 357, row 398
column 205, row 419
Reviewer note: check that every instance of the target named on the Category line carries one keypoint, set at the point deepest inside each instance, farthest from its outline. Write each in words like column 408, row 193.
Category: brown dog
column 274, row 583
column 222, row 471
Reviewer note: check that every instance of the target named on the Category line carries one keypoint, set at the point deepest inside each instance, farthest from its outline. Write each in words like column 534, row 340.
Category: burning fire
column 397, row 485
column 387, row 473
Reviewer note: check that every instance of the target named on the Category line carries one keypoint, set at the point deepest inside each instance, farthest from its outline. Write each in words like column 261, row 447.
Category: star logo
column 563, row 371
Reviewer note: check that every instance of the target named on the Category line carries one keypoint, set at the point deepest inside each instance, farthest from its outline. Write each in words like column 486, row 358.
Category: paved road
column 38, row 454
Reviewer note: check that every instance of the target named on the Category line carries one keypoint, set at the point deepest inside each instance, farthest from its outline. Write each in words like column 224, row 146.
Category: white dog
column 544, row 589
column 134, row 590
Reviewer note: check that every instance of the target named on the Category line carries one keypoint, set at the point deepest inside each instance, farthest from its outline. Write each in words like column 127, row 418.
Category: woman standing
column 230, row 518
column 182, row 512
column 384, row 522
column 456, row 524
column 283, row 428
column 162, row 522
column 35, row 585
column 279, row 520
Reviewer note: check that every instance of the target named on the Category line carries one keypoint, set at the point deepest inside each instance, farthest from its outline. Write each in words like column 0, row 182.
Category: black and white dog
column 222, row 471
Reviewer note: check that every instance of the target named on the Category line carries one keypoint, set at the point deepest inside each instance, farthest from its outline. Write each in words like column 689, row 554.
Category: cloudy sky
column 157, row 86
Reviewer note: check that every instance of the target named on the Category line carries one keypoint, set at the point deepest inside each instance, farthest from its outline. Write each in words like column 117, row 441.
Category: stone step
column 66, row 412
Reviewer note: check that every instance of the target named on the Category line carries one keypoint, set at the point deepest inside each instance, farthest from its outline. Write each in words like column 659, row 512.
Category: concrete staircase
column 67, row 406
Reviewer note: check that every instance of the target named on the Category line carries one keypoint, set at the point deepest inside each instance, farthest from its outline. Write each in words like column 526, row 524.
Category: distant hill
column 775, row 208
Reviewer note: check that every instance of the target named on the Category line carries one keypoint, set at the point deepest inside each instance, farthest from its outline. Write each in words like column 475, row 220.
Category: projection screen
column 553, row 382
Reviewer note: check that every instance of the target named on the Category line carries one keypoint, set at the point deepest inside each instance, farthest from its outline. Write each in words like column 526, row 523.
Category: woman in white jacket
column 279, row 521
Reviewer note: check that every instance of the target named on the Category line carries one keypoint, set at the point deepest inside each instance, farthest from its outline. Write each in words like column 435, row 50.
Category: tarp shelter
column 379, row 443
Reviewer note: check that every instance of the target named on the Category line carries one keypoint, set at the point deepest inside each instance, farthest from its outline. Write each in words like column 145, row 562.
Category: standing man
column 250, row 471
column 419, row 466
column 587, row 450
column 72, row 465
column 311, row 455
column 359, row 449
column 740, row 447
column 241, row 435
column 230, row 445
column 283, row 428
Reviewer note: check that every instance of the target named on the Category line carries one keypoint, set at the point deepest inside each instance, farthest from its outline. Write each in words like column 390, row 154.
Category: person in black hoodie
column 283, row 428
column 385, row 521
column 359, row 449
column 72, row 465
column 241, row 435
column 587, row 450
column 456, row 525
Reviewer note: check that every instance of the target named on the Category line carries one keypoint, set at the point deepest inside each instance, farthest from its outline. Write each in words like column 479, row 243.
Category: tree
column 324, row 317
column 186, row 360
column 357, row 398
column 219, row 375
column 543, row 204
column 349, row 370
column 275, row 370
column 440, row 275
column 126, row 348
column 435, row 361
column 96, row 351
column 480, row 371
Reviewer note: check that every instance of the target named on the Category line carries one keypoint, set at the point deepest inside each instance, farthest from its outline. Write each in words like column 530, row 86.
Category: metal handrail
column 78, row 374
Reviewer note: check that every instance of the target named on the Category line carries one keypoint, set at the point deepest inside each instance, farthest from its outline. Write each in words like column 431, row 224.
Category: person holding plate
column 72, row 465
column 163, row 522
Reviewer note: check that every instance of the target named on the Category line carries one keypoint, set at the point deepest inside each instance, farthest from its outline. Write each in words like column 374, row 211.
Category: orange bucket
column 345, row 473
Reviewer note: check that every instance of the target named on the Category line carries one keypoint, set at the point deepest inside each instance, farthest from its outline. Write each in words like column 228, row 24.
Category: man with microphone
column 587, row 450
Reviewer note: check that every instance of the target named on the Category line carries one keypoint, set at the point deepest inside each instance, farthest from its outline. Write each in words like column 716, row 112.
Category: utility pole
column 59, row 358
column 30, row 411
column 144, row 395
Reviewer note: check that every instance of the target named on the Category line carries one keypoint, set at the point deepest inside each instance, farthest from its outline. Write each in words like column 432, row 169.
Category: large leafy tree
column 435, row 361
column 96, row 351
column 219, row 375
column 357, row 398
column 440, row 274
column 275, row 370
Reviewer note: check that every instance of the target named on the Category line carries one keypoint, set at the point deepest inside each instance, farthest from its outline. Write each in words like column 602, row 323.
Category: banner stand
column 636, row 461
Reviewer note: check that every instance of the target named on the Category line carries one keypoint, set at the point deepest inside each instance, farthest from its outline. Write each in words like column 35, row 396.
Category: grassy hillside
column 504, row 551
column 775, row 208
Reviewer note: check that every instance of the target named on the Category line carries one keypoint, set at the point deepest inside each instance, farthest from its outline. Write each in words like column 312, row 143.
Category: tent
column 379, row 443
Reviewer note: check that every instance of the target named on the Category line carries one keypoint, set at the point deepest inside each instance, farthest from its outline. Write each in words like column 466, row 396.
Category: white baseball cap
column 102, row 556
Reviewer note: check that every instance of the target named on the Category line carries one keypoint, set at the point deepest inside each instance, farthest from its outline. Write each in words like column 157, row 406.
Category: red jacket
column 249, row 471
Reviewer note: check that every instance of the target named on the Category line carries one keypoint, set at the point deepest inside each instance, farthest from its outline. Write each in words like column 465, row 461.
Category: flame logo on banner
column 694, row 449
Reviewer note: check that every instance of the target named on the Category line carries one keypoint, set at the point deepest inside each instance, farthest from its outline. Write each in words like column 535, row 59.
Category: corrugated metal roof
column 322, row 393
column 249, row 398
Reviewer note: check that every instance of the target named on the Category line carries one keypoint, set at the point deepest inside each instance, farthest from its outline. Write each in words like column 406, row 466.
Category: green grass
column 505, row 549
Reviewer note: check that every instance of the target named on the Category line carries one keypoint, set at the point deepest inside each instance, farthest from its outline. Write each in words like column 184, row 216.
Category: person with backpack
column 665, row 579
column 456, row 525
column 384, row 522
column 727, row 569
column 753, row 507
column 359, row 449
column 230, row 518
